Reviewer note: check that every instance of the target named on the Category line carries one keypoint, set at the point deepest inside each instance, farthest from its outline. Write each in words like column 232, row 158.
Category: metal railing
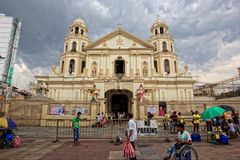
column 89, row 129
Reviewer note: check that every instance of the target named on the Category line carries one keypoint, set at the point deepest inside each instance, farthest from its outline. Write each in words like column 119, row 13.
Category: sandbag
column 223, row 139
column 196, row 137
column 3, row 123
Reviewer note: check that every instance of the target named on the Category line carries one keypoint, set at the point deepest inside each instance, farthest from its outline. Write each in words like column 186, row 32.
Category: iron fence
column 89, row 129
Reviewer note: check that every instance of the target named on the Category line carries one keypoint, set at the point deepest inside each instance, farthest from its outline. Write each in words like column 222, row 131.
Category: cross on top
column 119, row 25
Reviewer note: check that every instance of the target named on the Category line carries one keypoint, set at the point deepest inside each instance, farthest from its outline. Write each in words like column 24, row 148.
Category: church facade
column 118, row 71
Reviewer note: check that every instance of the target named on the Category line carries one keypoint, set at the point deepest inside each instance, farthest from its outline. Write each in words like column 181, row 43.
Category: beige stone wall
column 38, row 112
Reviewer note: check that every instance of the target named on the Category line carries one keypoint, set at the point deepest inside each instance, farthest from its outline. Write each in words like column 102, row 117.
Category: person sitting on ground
column 231, row 129
column 224, row 125
column 182, row 139
column 216, row 135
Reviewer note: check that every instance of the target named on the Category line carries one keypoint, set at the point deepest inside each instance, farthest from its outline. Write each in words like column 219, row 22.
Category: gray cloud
column 199, row 27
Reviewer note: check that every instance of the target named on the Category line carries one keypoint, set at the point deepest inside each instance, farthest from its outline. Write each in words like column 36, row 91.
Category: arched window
column 82, row 31
column 72, row 66
column 66, row 47
column 76, row 30
column 83, row 45
column 155, row 65
column 83, row 66
column 171, row 47
column 156, row 32
column 62, row 67
column 161, row 30
column 74, row 46
column 175, row 66
column 119, row 66
column 155, row 44
column 166, row 66
column 164, row 46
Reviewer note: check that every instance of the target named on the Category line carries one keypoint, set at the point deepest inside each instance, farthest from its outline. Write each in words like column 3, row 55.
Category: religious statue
column 94, row 92
column 145, row 71
column 186, row 68
column 94, row 71
column 140, row 93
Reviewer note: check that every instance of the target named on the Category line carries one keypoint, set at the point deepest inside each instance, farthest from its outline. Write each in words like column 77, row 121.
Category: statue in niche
column 145, row 71
column 94, row 71
column 140, row 93
column 94, row 92
column 186, row 68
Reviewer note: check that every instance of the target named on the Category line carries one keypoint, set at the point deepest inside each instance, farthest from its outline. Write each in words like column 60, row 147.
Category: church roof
column 119, row 31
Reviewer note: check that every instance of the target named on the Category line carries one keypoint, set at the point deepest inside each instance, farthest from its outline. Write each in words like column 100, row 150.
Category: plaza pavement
column 148, row 149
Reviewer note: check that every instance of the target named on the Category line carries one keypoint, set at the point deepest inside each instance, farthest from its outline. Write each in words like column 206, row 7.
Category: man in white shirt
column 132, row 132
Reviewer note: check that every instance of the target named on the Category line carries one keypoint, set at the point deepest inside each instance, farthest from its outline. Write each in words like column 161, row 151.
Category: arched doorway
column 118, row 101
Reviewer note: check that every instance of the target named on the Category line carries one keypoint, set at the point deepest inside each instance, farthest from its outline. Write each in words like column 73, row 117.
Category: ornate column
column 159, row 96
column 100, row 65
column 94, row 112
column 152, row 65
column 142, row 114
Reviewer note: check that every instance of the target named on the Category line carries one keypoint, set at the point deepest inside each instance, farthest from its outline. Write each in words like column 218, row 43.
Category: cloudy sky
column 206, row 32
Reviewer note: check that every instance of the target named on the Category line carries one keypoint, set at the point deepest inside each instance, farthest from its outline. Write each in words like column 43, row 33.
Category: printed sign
column 147, row 128
column 152, row 109
column 57, row 110
column 82, row 110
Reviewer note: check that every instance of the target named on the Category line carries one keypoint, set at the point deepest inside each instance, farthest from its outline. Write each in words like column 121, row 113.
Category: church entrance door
column 118, row 101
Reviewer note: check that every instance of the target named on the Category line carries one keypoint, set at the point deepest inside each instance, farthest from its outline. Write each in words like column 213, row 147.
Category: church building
column 119, row 71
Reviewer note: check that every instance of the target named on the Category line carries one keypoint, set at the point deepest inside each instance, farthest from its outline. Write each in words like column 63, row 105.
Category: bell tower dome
column 165, row 58
column 77, row 37
column 72, row 61
column 159, row 28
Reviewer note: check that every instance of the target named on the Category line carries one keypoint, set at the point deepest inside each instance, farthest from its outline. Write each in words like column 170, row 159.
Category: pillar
column 44, row 114
column 6, row 108
column 94, row 106
column 134, row 109
column 142, row 114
